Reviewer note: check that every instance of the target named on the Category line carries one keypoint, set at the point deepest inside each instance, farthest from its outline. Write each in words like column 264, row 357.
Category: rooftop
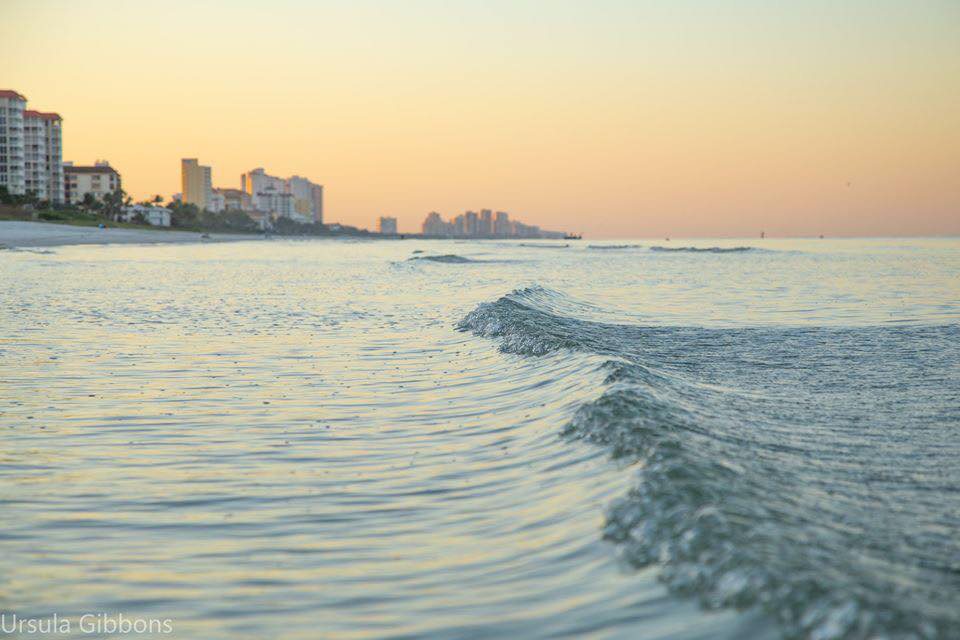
column 97, row 169
column 41, row 114
column 10, row 93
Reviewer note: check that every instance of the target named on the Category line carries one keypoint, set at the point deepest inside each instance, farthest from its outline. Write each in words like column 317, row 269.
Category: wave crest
column 525, row 324
column 725, row 503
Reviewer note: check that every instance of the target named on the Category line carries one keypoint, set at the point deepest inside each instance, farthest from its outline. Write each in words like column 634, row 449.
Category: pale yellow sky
column 612, row 118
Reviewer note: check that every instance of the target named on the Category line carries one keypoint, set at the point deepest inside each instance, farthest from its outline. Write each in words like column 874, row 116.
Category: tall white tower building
column 43, row 155
column 12, row 106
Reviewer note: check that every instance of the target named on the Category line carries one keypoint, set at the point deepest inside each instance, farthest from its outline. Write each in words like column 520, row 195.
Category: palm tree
column 90, row 202
column 113, row 204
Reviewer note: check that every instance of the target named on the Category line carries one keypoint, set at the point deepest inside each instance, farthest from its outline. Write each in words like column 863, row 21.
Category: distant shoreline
column 16, row 234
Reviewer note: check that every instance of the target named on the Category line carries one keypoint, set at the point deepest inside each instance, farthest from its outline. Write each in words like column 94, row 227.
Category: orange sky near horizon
column 611, row 118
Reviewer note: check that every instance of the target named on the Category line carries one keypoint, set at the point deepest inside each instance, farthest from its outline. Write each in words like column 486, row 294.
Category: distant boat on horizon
column 572, row 236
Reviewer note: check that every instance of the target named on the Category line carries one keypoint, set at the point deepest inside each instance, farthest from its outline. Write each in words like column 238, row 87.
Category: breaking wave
column 614, row 246
column 807, row 472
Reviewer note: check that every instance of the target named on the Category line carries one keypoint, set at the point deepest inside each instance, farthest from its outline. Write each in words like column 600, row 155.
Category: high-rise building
column 196, row 183
column 258, row 184
column 501, row 225
column 43, row 155
column 296, row 198
column 317, row 194
column 434, row 225
column 387, row 225
column 266, row 193
column 471, row 224
column 12, row 106
column 307, row 199
column 31, row 149
column 486, row 222
column 97, row 180
column 279, row 204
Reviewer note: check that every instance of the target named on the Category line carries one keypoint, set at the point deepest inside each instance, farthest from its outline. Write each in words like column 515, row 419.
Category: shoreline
column 15, row 234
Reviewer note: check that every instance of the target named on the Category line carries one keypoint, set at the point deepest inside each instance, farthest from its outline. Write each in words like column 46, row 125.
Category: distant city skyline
column 611, row 118
column 485, row 224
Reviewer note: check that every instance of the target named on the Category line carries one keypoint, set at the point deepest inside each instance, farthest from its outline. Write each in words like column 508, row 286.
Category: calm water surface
column 305, row 439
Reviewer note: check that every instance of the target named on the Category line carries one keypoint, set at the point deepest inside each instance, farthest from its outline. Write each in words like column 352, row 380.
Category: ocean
column 709, row 439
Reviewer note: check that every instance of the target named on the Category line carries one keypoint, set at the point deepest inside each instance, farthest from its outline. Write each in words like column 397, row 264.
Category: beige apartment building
column 196, row 183
column 97, row 180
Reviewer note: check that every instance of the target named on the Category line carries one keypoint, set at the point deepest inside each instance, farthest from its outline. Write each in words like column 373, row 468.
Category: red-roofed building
column 97, row 180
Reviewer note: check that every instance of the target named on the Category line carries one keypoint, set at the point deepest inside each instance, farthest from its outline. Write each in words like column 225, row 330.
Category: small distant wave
column 44, row 252
column 614, row 246
column 452, row 258
column 706, row 249
column 543, row 246
column 449, row 258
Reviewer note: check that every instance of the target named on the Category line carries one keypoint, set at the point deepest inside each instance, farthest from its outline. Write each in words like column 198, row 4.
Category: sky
column 606, row 117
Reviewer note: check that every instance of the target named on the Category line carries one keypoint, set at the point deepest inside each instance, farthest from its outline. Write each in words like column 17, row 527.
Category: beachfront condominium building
column 307, row 199
column 234, row 199
column 501, row 224
column 387, row 225
column 486, row 222
column 278, row 204
column 434, row 225
column 196, row 183
column 262, row 188
column 12, row 106
column 151, row 214
column 217, row 202
column 43, row 155
column 317, row 194
column 97, row 180
column 31, row 149
column 296, row 198
column 471, row 223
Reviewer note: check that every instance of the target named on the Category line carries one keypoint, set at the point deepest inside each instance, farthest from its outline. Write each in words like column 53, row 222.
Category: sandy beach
column 15, row 233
